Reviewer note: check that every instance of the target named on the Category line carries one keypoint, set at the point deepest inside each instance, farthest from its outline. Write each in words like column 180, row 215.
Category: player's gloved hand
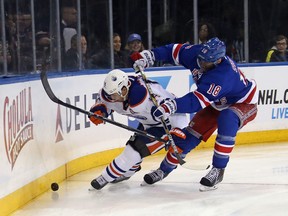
column 142, row 60
column 177, row 135
column 95, row 120
column 166, row 108
column 177, row 132
column 100, row 110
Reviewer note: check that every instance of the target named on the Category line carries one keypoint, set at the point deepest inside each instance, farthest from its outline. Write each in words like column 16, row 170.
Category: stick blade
column 196, row 167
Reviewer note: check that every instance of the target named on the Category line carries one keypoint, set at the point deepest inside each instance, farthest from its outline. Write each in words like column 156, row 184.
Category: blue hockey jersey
column 220, row 87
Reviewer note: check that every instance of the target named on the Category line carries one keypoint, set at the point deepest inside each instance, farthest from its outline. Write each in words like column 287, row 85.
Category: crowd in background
column 20, row 52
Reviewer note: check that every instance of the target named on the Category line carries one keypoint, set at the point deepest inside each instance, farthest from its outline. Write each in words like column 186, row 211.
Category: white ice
column 255, row 183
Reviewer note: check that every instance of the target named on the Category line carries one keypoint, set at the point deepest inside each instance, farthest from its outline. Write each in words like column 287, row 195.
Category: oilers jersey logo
column 133, row 114
column 136, row 116
column 131, row 111
column 113, row 78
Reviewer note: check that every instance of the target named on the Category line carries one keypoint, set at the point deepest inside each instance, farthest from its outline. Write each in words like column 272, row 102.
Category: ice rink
column 255, row 183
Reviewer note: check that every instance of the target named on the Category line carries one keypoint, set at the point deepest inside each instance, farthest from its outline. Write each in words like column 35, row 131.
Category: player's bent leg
column 128, row 174
column 228, row 125
column 128, row 161
column 185, row 142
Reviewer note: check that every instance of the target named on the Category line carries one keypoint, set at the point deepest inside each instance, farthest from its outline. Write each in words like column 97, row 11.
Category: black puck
column 54, row 186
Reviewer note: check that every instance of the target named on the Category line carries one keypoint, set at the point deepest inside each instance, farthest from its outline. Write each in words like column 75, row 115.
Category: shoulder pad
column 137, row 94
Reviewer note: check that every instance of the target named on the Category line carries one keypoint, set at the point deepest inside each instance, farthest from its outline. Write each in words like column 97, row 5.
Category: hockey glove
column 100, row 110
column 142, row 60
column 178, row 136
column 166, row 108
column 95, row 120
column 177, row 132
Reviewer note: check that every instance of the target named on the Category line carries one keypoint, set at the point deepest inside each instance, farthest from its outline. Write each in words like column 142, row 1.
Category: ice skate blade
column 143, row 184
column 204, row 188
column 91, row 189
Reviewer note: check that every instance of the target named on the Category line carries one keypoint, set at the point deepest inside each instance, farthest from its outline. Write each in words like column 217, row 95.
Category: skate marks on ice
column 255, row 183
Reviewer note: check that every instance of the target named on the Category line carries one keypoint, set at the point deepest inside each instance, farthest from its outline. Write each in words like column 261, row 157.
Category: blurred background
column 73, row 35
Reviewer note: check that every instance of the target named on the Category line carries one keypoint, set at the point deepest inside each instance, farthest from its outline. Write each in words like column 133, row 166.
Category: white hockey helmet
column 115, row 81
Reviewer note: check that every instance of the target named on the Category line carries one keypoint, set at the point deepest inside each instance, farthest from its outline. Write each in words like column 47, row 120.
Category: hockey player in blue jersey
column 224, row 99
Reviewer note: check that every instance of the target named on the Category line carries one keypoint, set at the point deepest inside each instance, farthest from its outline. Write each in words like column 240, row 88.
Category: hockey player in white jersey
column 127, row 95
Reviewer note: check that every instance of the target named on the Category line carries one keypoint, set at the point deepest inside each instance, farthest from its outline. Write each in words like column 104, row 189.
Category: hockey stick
column 52, row 96
column 170, row 138
column 182, row 162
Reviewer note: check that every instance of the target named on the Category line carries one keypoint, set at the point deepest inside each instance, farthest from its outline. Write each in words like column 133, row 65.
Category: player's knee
column 138, row 145
column 228, row 117
column 129, row 156
column 228, row 122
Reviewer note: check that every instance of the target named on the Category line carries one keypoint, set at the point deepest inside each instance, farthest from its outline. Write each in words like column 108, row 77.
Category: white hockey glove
column 142, row 60
column 167, row 108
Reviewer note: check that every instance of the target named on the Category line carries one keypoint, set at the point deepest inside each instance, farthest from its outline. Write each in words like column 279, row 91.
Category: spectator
column 10, row 31
column 206, row 32
column 68, row 26
column 278, row 52
column 42, row 39
column 102, row 58
column 134, row 44
column 24, row 42
column 71, row 59
column 120, row 57
column 8, row 56
column 235, row 47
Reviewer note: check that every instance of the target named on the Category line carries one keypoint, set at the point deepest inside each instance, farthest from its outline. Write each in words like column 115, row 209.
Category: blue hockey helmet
column 213, row 50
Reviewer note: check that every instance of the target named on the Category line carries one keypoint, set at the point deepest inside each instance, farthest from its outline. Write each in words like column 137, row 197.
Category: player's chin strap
column 171, row 141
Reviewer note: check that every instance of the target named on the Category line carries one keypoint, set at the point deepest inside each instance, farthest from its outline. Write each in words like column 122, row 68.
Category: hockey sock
column 228, row 124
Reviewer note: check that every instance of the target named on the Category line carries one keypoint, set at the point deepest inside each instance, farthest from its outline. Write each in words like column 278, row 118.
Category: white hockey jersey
column 139, row 105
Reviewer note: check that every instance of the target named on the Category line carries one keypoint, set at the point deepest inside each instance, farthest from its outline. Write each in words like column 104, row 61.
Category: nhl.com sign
column 17, row 124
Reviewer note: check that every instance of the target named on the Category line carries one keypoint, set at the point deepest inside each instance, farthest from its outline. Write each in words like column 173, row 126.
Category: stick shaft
column 172, row 143
column 52, row 96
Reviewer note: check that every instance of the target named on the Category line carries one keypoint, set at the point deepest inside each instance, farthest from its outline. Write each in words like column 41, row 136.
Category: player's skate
column 123, row 177
column 154, row 176
column 120, row 179
column 210, row 181
column 99, row 182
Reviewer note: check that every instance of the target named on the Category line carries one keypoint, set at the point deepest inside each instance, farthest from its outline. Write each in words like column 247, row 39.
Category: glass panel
column 57, row 38
column 8, row 37
column 5, row 54
column 172, row 21
column 224, row 19
column 130, row 23
column 24, row 42
column 169, row 23
column 47, row 35
column 17, row 37
column 69, row 36
column 266, row 20
column 95, row 26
